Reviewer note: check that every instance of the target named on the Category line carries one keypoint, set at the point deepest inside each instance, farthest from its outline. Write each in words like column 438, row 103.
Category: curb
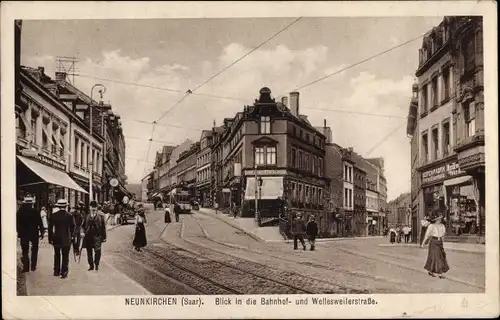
column 235, row 225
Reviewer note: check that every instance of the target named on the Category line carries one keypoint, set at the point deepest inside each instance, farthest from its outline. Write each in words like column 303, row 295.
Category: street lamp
column 101, row 92
column 259, row 219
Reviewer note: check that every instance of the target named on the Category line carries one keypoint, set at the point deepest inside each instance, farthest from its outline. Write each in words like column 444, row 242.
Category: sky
column 181, row 54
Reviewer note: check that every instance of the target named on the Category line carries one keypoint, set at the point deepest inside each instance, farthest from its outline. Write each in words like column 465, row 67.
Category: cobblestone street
column 204, row 255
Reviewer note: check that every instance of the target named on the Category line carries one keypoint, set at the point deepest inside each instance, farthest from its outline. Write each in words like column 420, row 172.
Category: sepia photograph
column 298, row 159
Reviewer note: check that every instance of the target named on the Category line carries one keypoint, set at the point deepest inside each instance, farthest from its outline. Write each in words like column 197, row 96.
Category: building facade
column 48, row 159
column 399, row 213
column 186, row 169
column 204, row 169
column 450, row 124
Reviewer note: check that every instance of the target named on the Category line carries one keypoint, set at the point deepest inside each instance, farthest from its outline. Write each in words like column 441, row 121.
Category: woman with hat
column 436, row 258
column 140, row 230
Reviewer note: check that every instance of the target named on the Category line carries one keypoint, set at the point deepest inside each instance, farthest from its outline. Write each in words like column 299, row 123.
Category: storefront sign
column 266, row 172
column 50, row 162
column 441, row 173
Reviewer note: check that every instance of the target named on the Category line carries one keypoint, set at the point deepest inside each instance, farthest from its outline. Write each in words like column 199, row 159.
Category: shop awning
column 50, row 175
column 272, row 188
column 455, row 181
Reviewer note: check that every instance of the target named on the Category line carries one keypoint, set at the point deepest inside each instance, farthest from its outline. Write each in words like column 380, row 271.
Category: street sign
column 113, row 182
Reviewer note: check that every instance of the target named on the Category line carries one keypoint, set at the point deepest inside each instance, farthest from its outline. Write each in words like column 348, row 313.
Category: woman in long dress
column 140, row 230
column 392, row 235
column 436, row 258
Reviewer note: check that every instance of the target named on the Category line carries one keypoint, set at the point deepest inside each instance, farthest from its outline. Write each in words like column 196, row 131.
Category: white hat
column 61, row 203
column 29, row 199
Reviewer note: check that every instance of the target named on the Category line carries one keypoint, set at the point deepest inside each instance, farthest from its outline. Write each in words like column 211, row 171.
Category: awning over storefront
column 455, row 181
column 272, row 188
column 49, row 175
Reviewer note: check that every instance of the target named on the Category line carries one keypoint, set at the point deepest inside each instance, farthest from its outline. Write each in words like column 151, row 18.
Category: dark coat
column 177, row 208
column 61, row 228
column 298, row 227
column 312, row 229
column 29, row 223
column 94, row 241
column 78, row 216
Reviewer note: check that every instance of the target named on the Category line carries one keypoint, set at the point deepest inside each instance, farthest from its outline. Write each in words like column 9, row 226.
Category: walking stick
column 81, row 248
column 74, row 253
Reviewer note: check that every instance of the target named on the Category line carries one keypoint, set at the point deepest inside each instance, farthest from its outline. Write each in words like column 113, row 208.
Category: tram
column 183, row 197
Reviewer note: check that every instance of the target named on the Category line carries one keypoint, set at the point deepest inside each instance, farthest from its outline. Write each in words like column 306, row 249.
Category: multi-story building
column 145, row 187
column 450, row 125
column 411, row 128
column 399, row 213
column 204, row 169
column 186, row 168
column 267, row 152
column 375, row 167
column 347, row 192
column 163, row 164
column 49, row 160
column 169, row 178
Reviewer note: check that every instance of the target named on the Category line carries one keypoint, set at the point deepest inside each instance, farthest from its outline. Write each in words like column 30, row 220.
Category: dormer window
column 265, row 125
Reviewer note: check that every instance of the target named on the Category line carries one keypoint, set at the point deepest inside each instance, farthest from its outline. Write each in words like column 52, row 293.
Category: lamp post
column 259, row 218
column 101, row 92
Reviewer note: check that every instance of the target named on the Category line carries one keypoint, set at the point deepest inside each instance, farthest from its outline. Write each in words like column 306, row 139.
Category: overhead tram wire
column 360, row 113
column 163, row 124
column 158, row 88
column 188, row 92
column 384, row 139
column 149, row 147
column 157, row 141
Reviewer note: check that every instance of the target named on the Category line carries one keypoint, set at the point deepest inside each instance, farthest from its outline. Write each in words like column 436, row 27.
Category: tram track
column 298, row 282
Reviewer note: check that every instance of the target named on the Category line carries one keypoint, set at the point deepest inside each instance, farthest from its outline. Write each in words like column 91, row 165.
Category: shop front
column 43, row 178
column 451, row 190
column 263, row 189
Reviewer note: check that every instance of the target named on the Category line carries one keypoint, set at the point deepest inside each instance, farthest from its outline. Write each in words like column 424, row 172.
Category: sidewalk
column 106, row 281
column 266, row 234
column 452, row 246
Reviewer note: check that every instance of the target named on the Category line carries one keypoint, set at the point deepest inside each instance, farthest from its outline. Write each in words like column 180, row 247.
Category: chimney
column 284, row 100
column 294, row 103
column 60, row 76
column 41, row 70
column 324, row 123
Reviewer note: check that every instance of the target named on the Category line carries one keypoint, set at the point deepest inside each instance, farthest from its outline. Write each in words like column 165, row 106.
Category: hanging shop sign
column 443, row 172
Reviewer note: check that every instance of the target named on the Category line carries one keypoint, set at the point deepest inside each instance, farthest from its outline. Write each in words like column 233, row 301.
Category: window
column 33, row 130
column 350, row 198
column 307, row 137
column 294, row 160
column 82, row 146
column 346, row 196
column 307, row 190
column 294, row 131
column 45, row 141
column 306, row 162
column 314, row 196
column 271, row 155
column 320, row 198
column 446, row 139
column 470, row 119
column 300, row 160
column 446, row 83
column 265, row 125
column 300, row 192
column 435, row 144
column 434, row 84
column 320, row 167
column 54, row 146
column 301, row 133
column 259, row 155
column 62, row 150
column 425, row 148
column 425, row 99
column 314, row 168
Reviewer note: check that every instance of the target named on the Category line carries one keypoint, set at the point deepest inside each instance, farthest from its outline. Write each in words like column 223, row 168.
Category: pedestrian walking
column 398, row 234
column 406, row 233
column 94, row 233
column 298, row 231
column 177, row 211
column 45, row 221
column 61, row 231
column 424, row 224
column 312, row 231
column 392, row 234
column 436, row 258
column 140, row 240
column 216, row 207
column 29, row 230
column 115, row 208
column 77, row 238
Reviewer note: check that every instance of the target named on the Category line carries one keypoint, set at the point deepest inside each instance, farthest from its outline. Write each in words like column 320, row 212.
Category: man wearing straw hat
column 61, row 230
column 29, row 229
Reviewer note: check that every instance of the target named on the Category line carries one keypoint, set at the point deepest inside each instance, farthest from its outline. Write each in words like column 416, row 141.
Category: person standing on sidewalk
column 312, row 231
column 77, row 238
column 94, row 233
column 216, row 207
column 406, row 232
column 140, row 229
column 61, row 231
column 298, row 231
column 29, row 230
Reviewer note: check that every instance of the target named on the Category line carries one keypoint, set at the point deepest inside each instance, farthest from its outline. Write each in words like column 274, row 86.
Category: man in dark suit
column 29, row 230
column 78, row 217
column 94, row 232
column 61, row 231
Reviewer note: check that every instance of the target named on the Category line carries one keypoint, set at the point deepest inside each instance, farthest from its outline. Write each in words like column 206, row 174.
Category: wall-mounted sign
column 441, row 173
column 266, row 172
